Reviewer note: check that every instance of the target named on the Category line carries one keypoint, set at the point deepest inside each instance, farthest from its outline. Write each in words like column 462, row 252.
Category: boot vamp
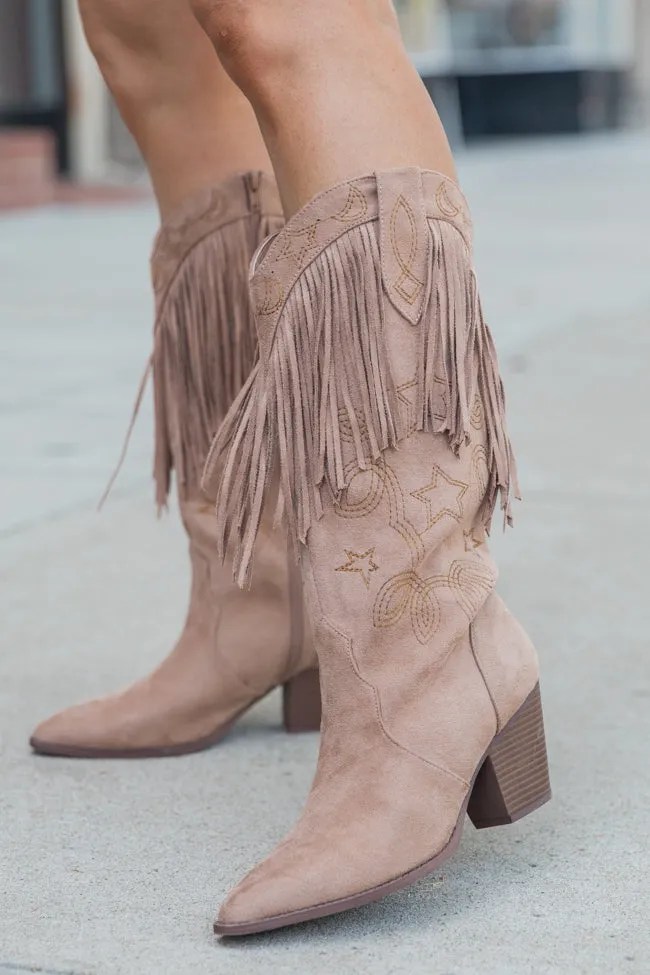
column 385, row 799
column 382, row 815
column 188, row 697
column 234, row 648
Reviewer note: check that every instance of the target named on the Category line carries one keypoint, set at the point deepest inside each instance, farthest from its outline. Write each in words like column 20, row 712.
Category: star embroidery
column 425, row 495
column 471, row 541
column 362, row 563
column 407, row 396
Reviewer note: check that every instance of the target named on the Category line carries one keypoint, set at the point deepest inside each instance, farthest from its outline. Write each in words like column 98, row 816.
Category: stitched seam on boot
column 222, row 657
column 362, row 223
column 254, row 692
column 350, row 652
column 279, row 310
column 223, row 660
column 296, row 619
column 482, row 673
column 348, row 645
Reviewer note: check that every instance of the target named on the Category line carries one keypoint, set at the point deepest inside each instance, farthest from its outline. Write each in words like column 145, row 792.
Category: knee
column 228, row 23
column 258, row 41
column 250, row 36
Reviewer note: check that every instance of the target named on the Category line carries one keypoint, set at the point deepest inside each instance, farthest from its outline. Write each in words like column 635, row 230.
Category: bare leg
column 192, row 124
column 332, row 86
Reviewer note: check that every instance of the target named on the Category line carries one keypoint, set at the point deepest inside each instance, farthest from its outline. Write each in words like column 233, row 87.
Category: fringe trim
column 458, row 348
column 327, row 383
column 205, row 346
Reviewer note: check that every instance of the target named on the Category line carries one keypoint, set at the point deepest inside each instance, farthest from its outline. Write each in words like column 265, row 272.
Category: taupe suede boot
column 378, row 389
column 235, row 647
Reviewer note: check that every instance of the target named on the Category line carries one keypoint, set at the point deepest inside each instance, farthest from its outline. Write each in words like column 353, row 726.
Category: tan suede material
column 391, row 560
column 235, row 646
column 506, row 656
column 391, row 479
column 205, row 342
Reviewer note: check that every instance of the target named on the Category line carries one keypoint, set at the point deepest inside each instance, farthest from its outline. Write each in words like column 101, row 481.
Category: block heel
column 301, row 705
column 513, row 779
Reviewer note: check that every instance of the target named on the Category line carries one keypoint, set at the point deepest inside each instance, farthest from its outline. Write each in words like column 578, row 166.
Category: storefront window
column 14, row 75
column 448, row 35
column 30, row 55
column 490, row 24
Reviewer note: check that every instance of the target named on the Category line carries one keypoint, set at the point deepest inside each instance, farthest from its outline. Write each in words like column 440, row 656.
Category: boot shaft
column 205, row 345
column 205, row 342
column 378, row 396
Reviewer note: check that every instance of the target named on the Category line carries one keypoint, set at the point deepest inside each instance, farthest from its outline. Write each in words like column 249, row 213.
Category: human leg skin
column 332, row 87
column 192, row 124
column 378, row 390
column 202, row 145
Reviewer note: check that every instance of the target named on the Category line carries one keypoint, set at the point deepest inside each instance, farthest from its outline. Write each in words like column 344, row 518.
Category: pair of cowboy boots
column 375, row 413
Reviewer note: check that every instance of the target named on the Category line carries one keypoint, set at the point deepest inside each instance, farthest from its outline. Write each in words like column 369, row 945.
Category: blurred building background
column 495, row 68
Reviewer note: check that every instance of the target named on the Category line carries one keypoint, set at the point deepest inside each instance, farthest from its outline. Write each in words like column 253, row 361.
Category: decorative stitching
column 347, row 642
column 345, row 426
column 444, row 392
column 298, row 256
column 424, row 493
column 173, row 236
column 270, row 303
column 363, row 564
column 480, row 469
column 349, row 220
column 384, row 483
column 410, row 424
column 470, row 583
column 355, row 199
column 444, row 204
column 406, row 264
column 476, row 414
column 471, row 541
column 408, row 591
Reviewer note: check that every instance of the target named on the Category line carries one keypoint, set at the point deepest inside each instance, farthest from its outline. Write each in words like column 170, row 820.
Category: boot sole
column 510, row 782
column 301, row 713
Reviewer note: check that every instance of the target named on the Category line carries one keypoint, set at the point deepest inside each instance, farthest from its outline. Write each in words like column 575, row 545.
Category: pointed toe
column 63, row 734
column 248, row 908
column 50, row 735
column 232, row 913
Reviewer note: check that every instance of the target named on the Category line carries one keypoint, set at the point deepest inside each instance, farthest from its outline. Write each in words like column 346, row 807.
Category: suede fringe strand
column 457, row 347
column 327, row 382
column 205, row 346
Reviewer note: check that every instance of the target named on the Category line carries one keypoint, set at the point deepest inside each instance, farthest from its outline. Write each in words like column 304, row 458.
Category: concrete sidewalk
column 118, row 868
